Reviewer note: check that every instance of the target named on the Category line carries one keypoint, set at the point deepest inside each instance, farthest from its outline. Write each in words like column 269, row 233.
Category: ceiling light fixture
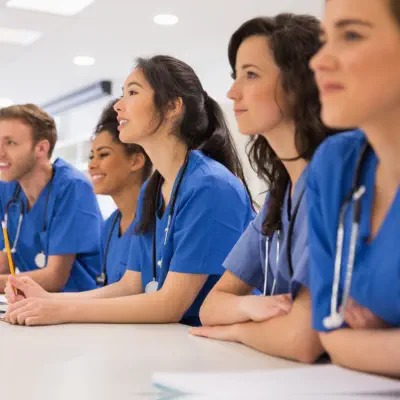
column 84, row 61
column 65, row 8
column 166, row 19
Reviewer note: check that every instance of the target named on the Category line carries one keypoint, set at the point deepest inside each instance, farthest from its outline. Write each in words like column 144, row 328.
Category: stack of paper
column 315, row 380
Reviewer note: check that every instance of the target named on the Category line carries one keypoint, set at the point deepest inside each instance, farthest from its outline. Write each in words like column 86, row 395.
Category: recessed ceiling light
column 18, row 36
column 4, row 102
column 58, row 7
column 166, row 19
column 84, row 61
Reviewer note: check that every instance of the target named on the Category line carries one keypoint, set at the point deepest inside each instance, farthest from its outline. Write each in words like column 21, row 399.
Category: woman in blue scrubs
column 190, row 213
column 274, row 93
column 354, row 188
column 118, row 170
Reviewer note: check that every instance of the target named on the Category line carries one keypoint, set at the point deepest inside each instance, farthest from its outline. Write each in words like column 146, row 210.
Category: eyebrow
column 102, row 148
column 134, row 83
column 343, row 23
column 246, row 66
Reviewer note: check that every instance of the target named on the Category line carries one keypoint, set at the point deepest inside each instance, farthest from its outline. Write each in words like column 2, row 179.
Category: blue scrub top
column 73, row 226
column 118, row 249
column 376, row 276
column 247, row 259
column 212, row 211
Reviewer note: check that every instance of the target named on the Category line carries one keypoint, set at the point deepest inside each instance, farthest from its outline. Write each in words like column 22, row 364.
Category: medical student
column 51, row 212
column 275, row 93
column 118, row 170
column 191, row 212
column 354, row 187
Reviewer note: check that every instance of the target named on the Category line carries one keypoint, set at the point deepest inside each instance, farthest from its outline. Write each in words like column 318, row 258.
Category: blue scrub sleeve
column 244, row 261
column 321, row 257
column 207, row 227
column 76, row 227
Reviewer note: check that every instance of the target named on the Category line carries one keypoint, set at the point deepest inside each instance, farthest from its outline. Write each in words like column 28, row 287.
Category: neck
column 34, row 181
column 167, row 154
column 384, row 137
column 286, row 149
column 126, row 201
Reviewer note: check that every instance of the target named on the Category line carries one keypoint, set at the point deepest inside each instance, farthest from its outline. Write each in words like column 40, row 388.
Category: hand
column 25, row 288
column 262, row 308
column 228, row 333
column 33, row 311
column 358, row 317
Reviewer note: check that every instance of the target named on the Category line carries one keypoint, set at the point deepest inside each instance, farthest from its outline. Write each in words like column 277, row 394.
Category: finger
column 201, row 331
column 19, row 304
column 19, row 283
column 13, row 315
column 21, row 317
column 352, row 318
column 33, row 321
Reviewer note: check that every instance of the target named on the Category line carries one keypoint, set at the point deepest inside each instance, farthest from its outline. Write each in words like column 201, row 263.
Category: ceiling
column 115, row 32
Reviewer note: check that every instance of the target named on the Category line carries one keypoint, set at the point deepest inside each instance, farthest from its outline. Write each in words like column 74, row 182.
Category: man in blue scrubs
column 57, row 242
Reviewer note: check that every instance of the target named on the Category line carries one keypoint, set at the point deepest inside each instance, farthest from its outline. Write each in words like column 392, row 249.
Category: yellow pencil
column 8, row 249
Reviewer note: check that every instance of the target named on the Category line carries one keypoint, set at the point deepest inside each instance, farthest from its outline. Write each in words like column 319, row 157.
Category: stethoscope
column 336, row 317
column 102, row 279
column 40, row 258
column 153, row 285
column 288, row 248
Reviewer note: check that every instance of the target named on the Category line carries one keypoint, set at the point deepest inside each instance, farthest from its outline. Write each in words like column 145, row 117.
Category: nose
column 323, row 60
column 118, row 105
column 234, row 93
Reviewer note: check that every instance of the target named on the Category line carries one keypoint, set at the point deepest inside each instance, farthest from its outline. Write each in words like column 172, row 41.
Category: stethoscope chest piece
column 151, row 287
column 40, row 260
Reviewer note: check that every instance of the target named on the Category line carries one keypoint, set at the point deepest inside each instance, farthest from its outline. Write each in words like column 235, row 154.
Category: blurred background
column 72, row 56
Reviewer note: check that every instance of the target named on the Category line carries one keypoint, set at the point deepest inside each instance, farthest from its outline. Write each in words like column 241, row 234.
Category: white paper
column 3, row 299
column 314, row 380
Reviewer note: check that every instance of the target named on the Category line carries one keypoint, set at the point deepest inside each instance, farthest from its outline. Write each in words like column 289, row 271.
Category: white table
column 110, row 361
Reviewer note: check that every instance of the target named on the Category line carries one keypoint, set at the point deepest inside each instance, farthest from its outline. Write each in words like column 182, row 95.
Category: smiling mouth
column 4, row 165
column 98, row 177
column 122, row 122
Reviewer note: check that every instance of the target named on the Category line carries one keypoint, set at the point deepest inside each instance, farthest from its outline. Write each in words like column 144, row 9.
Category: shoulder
column 205, row 173
column 340, row 149
column 68, row 177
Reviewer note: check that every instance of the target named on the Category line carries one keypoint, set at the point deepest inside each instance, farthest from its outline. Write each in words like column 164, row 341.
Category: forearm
column 118, row 289
column 47, row 278
column 284, row 337
column 141, row 308
column 221, row 308
column 373, row 351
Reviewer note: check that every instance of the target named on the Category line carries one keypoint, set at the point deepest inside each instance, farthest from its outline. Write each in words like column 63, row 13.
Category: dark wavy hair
column 395, row 9
column 201, row 127
column 108, row 123
column 293, row 40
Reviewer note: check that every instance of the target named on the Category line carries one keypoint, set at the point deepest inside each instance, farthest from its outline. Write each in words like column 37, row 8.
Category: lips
column 239, row 112
column 4, row 166
column 329, row 88
column 122, row 122
column 97, row 177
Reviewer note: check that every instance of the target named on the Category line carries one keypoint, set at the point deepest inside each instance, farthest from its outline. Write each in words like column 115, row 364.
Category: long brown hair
column 293, row 40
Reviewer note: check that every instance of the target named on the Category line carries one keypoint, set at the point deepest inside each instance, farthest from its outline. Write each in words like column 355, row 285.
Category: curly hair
column 293, row 40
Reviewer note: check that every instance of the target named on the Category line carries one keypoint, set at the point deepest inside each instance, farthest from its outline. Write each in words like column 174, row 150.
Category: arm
column 223, row 304
column 53, row 278
column 231, row 302
column 288, row 336
column 129, row 285
column 373, row 351
column 168, row 305
column 4, row 268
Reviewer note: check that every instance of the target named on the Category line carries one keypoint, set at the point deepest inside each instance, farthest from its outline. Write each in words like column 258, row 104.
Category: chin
column 338, row 119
